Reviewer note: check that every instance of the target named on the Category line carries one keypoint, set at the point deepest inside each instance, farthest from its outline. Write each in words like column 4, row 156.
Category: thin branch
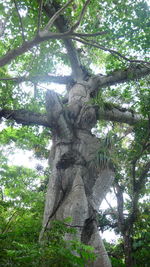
column 56, row 15
column 95, row 44
column 9, row 223
column 144, row 146
column 113, row 209
column 39, row 15
column 61, row 25
column 126, row 133
column 88, row 34
column 75, row 26
column 45, row 78
column 20, row 20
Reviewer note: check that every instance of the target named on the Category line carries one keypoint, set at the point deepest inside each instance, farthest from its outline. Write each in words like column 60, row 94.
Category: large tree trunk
column 78, row 182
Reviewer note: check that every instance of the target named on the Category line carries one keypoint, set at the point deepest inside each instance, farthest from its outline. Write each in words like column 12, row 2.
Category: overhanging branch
column 119, row 76
column 39, row 38
column 117, row 115
column 45, row 78
column 25, row 117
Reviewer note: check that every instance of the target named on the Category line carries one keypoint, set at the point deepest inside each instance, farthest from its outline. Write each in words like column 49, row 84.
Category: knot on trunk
column 69, row 158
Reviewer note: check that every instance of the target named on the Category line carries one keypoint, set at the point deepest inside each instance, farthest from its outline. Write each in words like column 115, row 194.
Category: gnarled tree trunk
column 77, row 184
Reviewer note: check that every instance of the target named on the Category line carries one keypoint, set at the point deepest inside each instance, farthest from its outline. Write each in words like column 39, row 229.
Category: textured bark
column 78, row 183
column 119, row 76
column 119, row 115
column 25, row 117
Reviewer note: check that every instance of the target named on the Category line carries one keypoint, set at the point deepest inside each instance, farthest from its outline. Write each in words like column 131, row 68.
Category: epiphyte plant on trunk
column 75, row 188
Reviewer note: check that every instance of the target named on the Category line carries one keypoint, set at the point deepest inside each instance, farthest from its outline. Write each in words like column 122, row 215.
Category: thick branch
column 45, row 78
column 119, row 76
column 118, row 115
column 25, row 117
column 28, row 45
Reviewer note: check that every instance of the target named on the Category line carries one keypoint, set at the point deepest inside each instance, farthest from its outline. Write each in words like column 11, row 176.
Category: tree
column 41, row 33
column 130, row 154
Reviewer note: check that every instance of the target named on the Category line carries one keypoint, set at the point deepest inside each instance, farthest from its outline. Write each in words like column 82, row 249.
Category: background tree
column 130, row 153
column 39, row 36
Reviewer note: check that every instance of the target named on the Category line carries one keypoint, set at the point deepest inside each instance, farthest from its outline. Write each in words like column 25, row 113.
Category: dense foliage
column 21, row 206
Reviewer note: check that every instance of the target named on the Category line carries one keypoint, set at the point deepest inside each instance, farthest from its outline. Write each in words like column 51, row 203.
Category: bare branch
column 45, row 78
column 25, row 117
column 20, row 20
column 56, row 15
column 75, row 26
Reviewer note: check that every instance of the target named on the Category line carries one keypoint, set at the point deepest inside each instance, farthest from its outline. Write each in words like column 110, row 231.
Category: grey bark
column 78, row 183
column 25, row 117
